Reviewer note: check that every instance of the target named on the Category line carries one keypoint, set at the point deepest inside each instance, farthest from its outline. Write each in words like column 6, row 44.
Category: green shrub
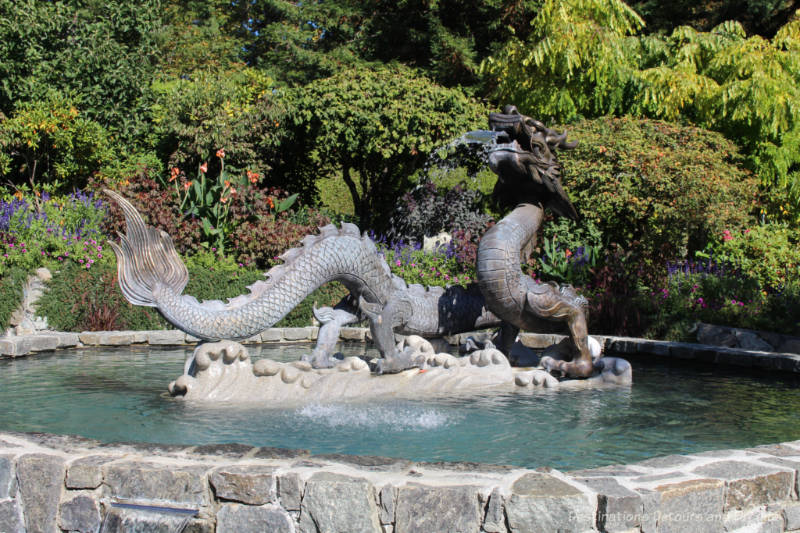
column 433, row 268
column 11, row 284
column 767, row 252
column 659, row 190
column 80, row 299
column 720, row 293
column 257, row 224
column 50, row 146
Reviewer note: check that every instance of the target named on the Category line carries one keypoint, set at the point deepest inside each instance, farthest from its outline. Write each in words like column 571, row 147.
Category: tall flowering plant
column 212, row 198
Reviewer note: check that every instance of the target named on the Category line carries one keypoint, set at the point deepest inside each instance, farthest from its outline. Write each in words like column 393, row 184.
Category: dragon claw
column 398, row 362
column 579, row 368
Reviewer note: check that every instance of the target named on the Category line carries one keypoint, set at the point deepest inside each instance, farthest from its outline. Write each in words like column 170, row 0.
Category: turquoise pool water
column 119, row 395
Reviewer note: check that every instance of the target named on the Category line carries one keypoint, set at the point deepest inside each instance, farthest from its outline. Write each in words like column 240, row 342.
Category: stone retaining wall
column 16, row 346
column 54, row 483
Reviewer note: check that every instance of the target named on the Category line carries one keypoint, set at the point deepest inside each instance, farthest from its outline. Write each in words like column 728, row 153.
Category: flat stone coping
column 76, row 484
column 625, row 347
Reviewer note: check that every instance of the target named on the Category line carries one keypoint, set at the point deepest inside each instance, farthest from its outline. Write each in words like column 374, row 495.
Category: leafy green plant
column 570, row 252
column 11, row 284
column 658, row 190
column 80, row 299
column 49, row 146
column 46, row 231
column 584, row 59
column 433, row 268
column 769, row 253
column 101, row 53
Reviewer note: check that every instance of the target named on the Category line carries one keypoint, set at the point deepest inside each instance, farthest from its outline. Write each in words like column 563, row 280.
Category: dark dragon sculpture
column 152, row 274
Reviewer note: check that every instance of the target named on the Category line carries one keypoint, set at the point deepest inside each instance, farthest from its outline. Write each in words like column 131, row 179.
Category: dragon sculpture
column 151, row 273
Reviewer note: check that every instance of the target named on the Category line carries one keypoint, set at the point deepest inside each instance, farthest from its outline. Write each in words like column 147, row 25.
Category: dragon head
column 525, row 162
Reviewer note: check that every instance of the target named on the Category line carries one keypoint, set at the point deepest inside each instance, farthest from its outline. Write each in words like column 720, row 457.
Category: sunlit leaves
column 582, row 61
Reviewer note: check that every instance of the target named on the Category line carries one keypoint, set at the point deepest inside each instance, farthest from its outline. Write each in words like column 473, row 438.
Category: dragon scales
column 151, row 273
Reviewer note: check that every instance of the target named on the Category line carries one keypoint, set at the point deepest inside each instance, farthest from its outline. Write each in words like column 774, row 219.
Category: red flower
column 221, row 153
column 204, row 168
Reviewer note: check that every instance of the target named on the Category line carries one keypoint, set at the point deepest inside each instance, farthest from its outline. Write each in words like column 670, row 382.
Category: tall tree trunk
column 357, row 205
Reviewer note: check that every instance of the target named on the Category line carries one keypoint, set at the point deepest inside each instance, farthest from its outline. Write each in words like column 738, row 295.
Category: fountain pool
column 119, row 395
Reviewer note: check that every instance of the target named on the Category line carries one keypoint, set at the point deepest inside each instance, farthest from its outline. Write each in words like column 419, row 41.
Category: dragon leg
column 506, row 337
column 563, row 304
column 332, row 320
column 382, row 321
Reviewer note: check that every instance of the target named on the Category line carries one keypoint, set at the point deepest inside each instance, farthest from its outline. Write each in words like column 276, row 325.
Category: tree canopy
column 586, row 58
column 375, row 127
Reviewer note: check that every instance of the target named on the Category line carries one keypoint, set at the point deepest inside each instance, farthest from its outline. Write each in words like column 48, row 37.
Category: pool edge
column 49, row 481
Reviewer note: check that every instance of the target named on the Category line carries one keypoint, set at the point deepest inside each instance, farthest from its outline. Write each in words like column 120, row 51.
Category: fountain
column 524, row 158
column 181, row 482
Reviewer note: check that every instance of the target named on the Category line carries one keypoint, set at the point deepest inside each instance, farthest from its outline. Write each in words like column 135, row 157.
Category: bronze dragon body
column 152, row 274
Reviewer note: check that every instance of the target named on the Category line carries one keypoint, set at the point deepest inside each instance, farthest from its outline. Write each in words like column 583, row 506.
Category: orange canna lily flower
column 204, row 168
column 187, row 185
column 221, row 153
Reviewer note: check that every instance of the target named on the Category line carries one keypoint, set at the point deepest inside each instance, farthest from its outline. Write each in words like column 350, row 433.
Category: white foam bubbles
column 390, row 416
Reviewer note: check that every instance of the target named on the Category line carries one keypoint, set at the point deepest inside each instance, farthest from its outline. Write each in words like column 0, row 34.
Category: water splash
column 401, row 417
column 470, row 150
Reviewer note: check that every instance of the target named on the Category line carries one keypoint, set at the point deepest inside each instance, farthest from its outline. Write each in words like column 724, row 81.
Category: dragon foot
column 410, row 357
column 320, row 358
column 579, row 368
column 605, row 370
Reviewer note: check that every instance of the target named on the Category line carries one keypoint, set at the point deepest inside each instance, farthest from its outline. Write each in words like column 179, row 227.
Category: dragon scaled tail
column 146, row 259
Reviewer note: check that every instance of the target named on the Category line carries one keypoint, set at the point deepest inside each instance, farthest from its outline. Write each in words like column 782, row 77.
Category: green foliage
column 80, row 299
column 437, row 268
column 234, row 109
column 569, row 252
column 577, row 61
column 769, row 253
column 102, row 53
column 11, row 284
column 580, row 62
column 657, row 189
column 218, row 211
column 720, row 293
column 48, row 145
column 762, row 17
column 298, row 42
column 47, row 231
column 374, row 126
